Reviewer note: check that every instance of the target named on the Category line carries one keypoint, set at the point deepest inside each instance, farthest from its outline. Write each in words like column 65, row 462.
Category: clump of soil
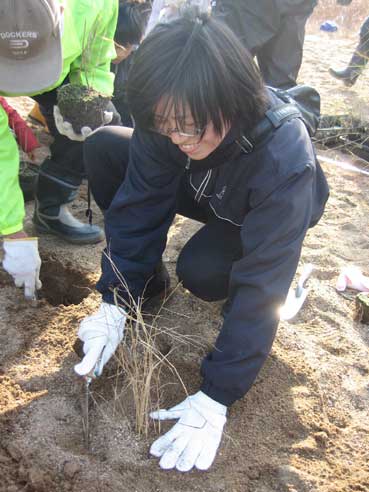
column 82, row 106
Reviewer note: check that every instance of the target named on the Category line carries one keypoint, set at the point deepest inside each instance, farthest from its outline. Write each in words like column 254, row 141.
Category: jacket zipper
column 201, row 189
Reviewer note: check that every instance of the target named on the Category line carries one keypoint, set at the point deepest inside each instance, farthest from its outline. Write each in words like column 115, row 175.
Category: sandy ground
column 303, row 426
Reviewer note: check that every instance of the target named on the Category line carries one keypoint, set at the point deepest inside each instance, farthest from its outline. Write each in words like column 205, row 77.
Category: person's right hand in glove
column 23, row 263
column 101, row 334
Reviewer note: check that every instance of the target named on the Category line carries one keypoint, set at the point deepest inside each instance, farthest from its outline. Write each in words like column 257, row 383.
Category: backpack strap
column 273, row 119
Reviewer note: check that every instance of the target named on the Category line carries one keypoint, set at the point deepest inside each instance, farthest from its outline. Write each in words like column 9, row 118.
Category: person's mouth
column 189, row 148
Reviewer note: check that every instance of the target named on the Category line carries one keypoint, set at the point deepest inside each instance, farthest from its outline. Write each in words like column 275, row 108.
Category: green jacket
column 88, row 48
column 11, row 197
column 88, row 43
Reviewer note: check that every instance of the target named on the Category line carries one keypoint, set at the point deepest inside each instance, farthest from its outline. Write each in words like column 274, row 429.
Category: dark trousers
column 364, row 30
column 62, row 173
column 273, row 31
column 280, row 58
column 205, row 262
column 66, row 161
column 363, row 47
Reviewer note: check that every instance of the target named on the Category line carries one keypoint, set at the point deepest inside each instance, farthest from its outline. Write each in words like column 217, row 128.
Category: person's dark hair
column 196, row 61
column 132, row 20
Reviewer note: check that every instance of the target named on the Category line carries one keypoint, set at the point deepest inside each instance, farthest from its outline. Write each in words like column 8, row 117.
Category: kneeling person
column 196, row 95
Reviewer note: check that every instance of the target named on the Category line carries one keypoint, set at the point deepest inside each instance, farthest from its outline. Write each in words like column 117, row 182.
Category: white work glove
column 101, row 333
column 195, row 438
column 23, row 263
column 66, row 128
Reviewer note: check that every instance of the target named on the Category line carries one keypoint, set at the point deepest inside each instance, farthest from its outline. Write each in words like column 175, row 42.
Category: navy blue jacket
column 273, row 194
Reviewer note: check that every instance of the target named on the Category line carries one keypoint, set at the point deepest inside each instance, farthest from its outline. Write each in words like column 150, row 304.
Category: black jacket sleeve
column 272, row 236
column 138, row 219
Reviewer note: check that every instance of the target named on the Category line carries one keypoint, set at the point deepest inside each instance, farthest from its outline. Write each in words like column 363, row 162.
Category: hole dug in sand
column 62, row 284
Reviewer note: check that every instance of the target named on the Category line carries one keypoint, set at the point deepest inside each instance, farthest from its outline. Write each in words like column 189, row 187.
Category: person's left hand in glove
column 22, row 261
column 195, row 438
column 65, row 128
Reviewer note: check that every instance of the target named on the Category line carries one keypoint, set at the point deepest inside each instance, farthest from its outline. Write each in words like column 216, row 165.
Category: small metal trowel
column 296, row 297
column 85, row 412
column 88, row 378
column 88, row 360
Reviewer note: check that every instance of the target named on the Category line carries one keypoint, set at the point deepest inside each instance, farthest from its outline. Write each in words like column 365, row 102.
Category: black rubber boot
column 358, row 62
column 52, row 216
column 67, row 227
column 159, row 283
column 348, row 75
column 158, row 286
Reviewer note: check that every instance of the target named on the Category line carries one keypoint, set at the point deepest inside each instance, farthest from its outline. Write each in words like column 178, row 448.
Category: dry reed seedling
column 143, row 356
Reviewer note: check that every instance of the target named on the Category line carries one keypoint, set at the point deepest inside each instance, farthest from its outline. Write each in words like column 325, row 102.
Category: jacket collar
column 233, row 144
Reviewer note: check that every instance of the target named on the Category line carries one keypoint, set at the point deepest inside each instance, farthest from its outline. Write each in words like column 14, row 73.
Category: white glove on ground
column 195, row 438
column 352, row 277
column 101, row 333
column 23, row 263
column 66, row 128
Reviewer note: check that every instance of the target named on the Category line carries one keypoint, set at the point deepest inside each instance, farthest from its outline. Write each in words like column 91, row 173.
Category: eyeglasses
column 189, row 132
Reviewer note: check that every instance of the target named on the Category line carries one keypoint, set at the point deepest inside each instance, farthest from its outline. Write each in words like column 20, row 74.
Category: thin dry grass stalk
column 141, row 358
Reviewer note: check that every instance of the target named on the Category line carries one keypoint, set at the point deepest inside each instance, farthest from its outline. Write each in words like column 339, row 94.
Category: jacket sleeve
column 25, row 136
column 138, row 219
column 272, row 236
column 11, row 197
column 92, row 68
